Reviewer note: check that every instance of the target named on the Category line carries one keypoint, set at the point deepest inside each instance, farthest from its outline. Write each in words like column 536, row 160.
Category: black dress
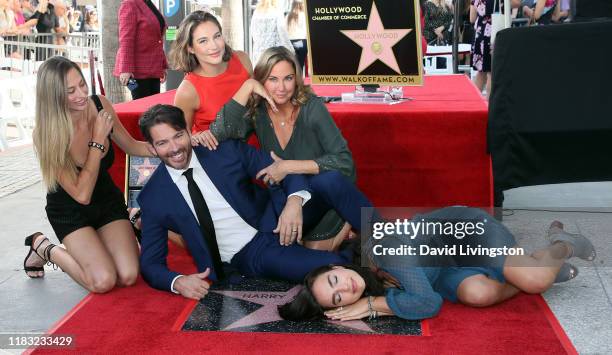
column 66, row 215
column 435, row 17
column 481, row 48
column 47, row 22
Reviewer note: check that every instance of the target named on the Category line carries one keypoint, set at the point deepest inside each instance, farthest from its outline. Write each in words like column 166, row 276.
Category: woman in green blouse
column 294, row 126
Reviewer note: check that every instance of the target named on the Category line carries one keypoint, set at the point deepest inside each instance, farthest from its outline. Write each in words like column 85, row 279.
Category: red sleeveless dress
column 214, row 92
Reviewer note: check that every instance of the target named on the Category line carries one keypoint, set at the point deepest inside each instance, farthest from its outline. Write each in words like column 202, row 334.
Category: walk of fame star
column 144, row 171
column 376, row 42
column 252, row 307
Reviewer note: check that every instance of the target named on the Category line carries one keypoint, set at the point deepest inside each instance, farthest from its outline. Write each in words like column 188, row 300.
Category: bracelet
column 96, row 145
column 135, row 217
column 373, row 313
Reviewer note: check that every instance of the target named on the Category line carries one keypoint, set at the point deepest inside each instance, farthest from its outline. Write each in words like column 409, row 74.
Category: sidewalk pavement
column 18, row 169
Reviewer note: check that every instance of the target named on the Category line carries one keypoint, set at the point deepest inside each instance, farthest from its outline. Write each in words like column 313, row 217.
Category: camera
column 132, row 84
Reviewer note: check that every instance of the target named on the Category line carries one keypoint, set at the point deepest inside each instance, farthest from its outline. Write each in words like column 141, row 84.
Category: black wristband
column 96, row 145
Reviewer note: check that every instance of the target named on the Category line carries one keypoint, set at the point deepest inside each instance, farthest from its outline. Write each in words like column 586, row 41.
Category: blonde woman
column 7, row 19
column 72, row 138
column 295, row 127
column 8, row 29
column 268, row 29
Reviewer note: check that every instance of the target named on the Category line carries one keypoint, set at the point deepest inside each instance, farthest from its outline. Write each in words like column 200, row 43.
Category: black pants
column 300, row 51
column 43, row 54
column 146, row 87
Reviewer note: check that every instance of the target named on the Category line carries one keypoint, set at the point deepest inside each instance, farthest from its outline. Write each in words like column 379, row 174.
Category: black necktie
column 206, row 223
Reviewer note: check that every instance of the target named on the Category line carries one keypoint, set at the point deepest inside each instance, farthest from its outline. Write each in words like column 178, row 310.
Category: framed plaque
column 357, row 42
column 138, row 172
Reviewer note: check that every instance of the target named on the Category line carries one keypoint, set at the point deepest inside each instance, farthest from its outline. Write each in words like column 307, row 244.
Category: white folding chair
column 16, row 108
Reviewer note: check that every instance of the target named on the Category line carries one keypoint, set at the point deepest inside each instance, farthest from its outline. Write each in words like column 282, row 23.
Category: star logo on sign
column 376, row 42
column 269, row 312
column 144, row 171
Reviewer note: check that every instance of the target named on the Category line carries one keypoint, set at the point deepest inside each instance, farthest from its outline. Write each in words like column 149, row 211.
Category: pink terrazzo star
column 144, row 171
column 269, row 312
column 376, row 42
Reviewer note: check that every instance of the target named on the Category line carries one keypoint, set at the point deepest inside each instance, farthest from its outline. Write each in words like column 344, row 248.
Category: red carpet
column 139, row 319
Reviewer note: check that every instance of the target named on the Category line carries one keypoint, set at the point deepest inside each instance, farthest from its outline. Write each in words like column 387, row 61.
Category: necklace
column 289, row 120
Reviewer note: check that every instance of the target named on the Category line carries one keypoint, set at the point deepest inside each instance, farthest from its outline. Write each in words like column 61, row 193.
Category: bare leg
column 480, row 80
column 85, row 259
column 330, row 244
column 481, row 291
column 120, row 241
column 488, row 84
column 535, row 273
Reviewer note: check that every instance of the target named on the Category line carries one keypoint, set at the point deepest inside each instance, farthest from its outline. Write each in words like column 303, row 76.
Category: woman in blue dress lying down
column 414, row 288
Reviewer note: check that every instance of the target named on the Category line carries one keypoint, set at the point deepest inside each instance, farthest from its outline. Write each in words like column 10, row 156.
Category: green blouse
column 315, row 137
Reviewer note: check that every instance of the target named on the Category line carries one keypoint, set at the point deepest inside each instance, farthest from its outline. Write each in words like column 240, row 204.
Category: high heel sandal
column 46, row 254
column 581, row 246
column 28, row 242
column 566, row 272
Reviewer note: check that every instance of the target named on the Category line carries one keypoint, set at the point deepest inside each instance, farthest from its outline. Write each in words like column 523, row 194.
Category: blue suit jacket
column 231, row 167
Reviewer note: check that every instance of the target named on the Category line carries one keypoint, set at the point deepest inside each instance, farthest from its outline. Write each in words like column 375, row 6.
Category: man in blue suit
column 254, row 230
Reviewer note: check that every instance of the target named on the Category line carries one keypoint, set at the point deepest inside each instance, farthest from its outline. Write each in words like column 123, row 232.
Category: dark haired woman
column 349, row 292
column 214, row 71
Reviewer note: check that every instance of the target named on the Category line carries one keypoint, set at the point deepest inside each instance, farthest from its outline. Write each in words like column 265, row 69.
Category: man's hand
column 290, row 222
column 193, row 286
column 275, row 172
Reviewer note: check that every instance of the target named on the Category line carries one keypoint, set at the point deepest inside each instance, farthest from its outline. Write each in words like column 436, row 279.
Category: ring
column 340, row 308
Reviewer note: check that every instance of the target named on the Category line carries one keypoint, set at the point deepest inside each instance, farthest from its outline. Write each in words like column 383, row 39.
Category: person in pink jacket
column 141, row 62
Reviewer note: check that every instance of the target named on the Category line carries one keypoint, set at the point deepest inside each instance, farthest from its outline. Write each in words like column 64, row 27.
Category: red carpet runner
column 139, row 319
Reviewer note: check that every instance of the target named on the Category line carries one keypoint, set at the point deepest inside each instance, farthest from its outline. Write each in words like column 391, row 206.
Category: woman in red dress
column 214, row 71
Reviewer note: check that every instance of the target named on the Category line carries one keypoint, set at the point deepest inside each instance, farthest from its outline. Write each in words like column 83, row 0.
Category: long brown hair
column 180, row 57
column 88, row 17
column 305, row 307
column 297, row 7
column 267, row 61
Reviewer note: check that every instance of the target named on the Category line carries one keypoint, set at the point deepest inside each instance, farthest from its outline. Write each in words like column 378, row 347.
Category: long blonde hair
column 267, row 61
column 8, row 17
column 265, row 5
column 53, row 131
